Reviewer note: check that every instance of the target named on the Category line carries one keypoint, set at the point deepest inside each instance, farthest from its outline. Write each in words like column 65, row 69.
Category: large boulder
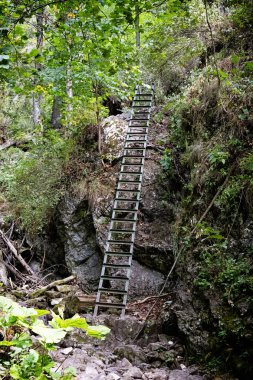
column 113, row 132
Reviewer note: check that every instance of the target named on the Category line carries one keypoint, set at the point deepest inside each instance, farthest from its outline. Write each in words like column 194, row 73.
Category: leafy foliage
column 33, row 179
column 24, row 355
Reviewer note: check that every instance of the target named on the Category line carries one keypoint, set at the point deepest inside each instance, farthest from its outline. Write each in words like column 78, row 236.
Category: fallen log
column 42, row 290
column 7, row 144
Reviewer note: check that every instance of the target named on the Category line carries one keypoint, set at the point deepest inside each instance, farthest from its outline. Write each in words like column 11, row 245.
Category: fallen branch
column 16, row 254
column 42, row 290
column 3, row 270
column 148, row 299
column 7, row 144
column 13, row 270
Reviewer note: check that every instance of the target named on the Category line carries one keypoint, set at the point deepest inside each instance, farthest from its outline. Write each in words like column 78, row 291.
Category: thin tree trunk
column 137, row 25
column 69, row 84
column 69, row 90
column 69, row 87
column 37, row 98
column 56, row 113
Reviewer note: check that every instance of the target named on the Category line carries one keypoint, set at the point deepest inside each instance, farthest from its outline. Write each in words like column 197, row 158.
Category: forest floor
column 121, row 356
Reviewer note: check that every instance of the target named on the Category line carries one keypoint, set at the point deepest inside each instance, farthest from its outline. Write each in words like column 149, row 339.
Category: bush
column 32, row 180
column 26, row 341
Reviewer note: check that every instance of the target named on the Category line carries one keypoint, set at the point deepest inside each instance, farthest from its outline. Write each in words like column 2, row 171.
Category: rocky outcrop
column 77, row 236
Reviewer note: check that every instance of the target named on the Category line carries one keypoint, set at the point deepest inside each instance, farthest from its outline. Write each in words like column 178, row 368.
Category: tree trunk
column 56, row 113
column 37, row 98
column 69, row 84
column 69, row 90
column 137, row 25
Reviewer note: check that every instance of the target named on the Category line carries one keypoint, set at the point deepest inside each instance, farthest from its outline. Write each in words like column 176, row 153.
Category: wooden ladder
column 116, row 269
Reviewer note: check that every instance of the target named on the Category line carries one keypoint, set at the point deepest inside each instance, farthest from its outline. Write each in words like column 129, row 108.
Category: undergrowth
column 26, row 341
column 32, row 179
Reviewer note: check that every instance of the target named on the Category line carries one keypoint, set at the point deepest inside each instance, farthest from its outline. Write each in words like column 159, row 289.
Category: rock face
column 82, row 254
column 78, row 234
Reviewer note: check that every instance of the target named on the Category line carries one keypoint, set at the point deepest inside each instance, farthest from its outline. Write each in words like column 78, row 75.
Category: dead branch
column 16, row 254
column 42, row 290
column 149, row 298
column 13, row 270
column 3, row 270
column 7, row 144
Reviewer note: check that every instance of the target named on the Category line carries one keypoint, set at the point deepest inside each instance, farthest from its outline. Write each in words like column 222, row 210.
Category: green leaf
column 74, row 322
column 47, row 334
column 7, row 343
column 22, row 341
column 34, row 53
column 41, row 312
column 13, row 308
column 98, row 332
column 14, row 372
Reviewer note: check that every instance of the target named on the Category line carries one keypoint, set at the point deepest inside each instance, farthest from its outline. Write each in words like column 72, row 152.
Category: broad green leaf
column 98, row 332
column 74, row 322
column 7, row 343
column 13, row 308
column 41, row 312
column 34, row 53
column 48, row 334
column 14, row 372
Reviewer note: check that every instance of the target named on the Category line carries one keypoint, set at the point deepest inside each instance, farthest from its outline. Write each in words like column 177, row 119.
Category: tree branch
column 29, row 12
column 16, row 254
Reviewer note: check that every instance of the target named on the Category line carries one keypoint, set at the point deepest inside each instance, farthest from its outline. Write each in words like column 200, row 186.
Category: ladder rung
column 123, row 220
column 128, row 172
column 112, row 291
column 133, row 133
column 147, row 94
column 129, row 190
column 123, row 266
column 111, row 305
column 126, row 148
column 122, row 231
column 131, row 164
column 104, row 277
column 119, row 254
column 132, row 155
column 141, row 107
column 140, row 112
column 123, row 242
column 124, row 209
column 137, row 127
column 141, row 100
column 136, row 133
column 128, row 181
column 127, row 199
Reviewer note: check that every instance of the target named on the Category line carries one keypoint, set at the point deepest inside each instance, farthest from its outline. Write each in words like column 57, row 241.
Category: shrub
column 32, row 180
column 26, row 341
